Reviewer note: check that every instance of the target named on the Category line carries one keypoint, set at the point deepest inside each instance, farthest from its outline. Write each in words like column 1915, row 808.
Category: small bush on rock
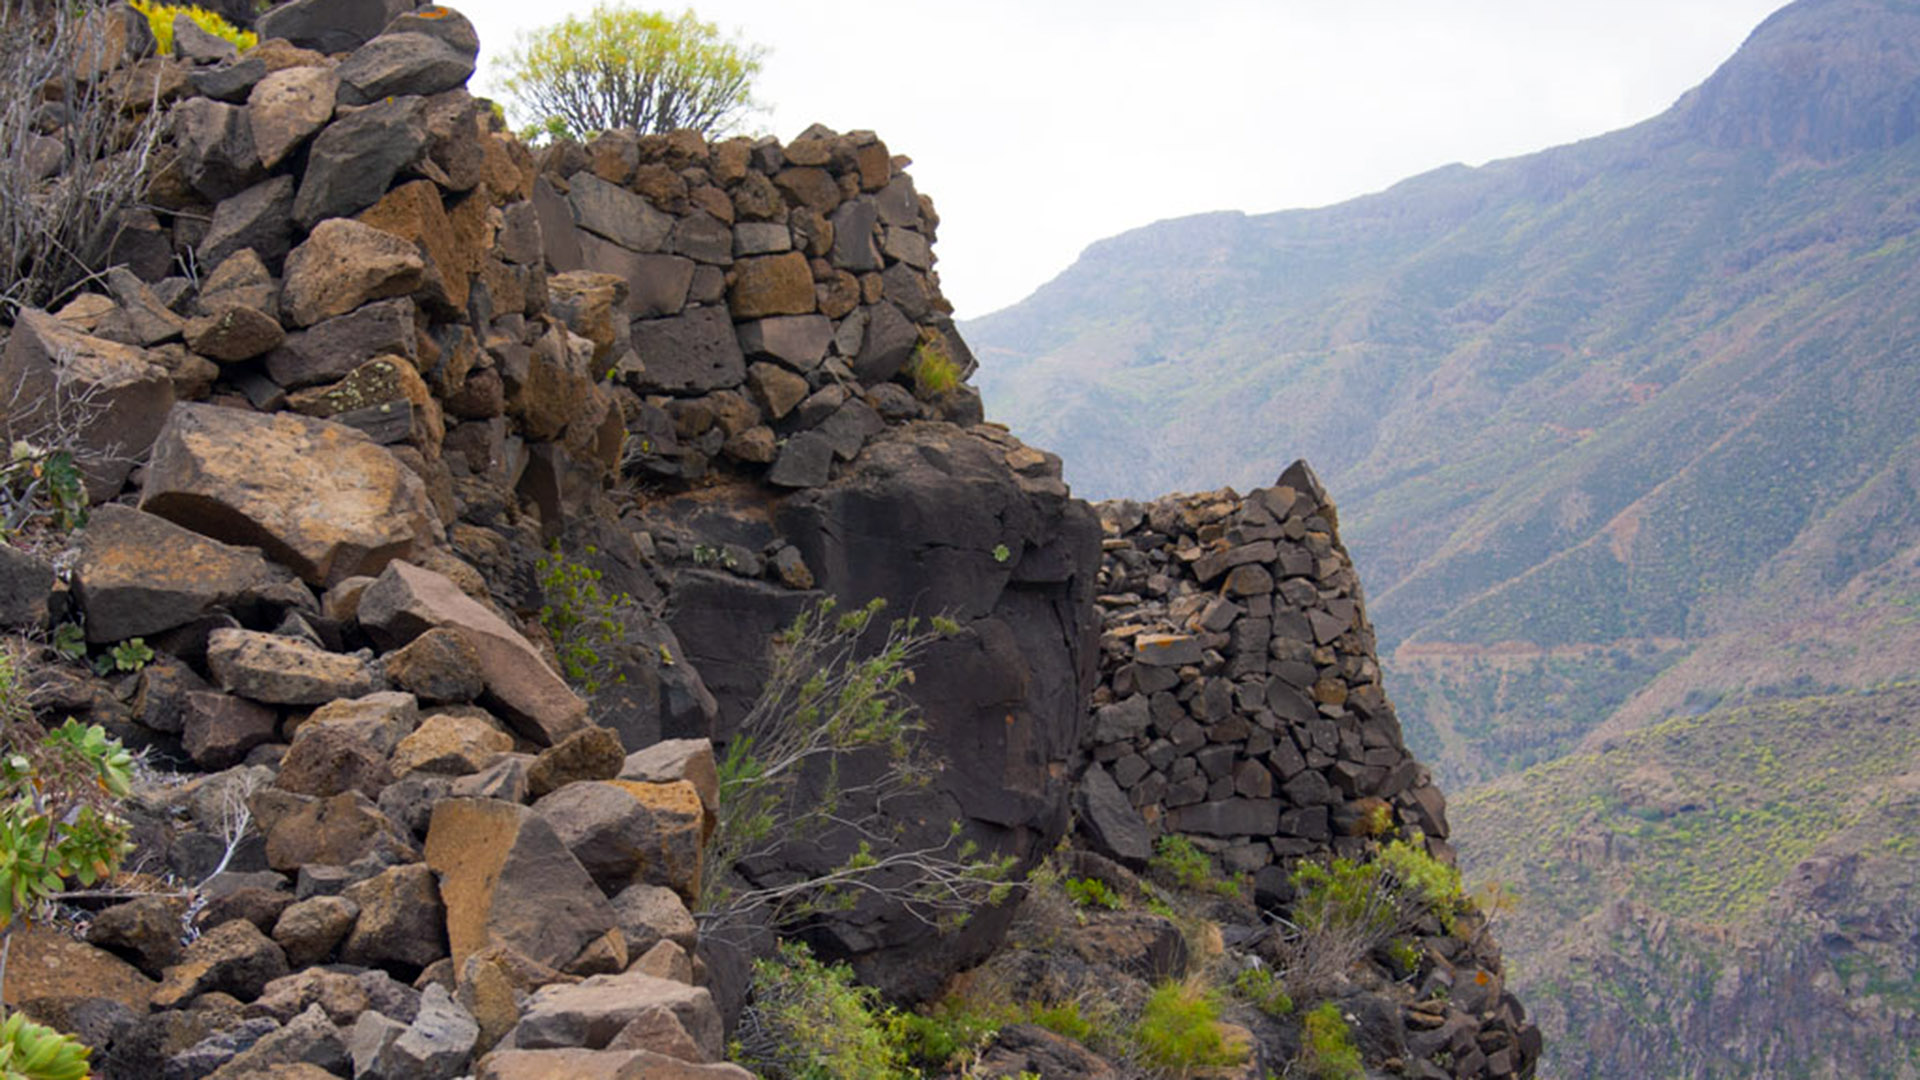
column 1328, row 1051
column 583, row 619
column 807, row 1020
column 1091, row 892
column 1179, row 1031
column 933, row 371
column 827, row 696
column 1258, row 987
column 1176, row 862
column 1346, row 908
column 160, row 20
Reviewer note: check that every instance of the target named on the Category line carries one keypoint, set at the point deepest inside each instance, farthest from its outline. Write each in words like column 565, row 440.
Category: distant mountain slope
column 1580, row 396
column 1729, row 895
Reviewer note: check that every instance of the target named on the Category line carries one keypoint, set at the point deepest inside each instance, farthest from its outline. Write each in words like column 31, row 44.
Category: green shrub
column 933, row 371
column 1342, row 893
column 1328, row 1051
column 1346, row 908
column 40, row 484
column 1405, row 956
column 583, row 620
column 937, row 1038
column 1394, row 888
column 57, row 791
column 160, row 19
column 1258, row 987
column 1177, row 862
column 1423, row 879
column 1179, row 1031
column 827, row 694
column 810, row 1021
column 1065, row 1018
column 1091, row 892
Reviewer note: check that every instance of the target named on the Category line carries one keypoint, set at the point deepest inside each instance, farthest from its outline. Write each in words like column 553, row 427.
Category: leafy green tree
column 618, row 67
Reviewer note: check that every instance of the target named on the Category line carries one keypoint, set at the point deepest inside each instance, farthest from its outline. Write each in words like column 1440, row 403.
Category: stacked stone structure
column 1240, row 705
column 1240, row 701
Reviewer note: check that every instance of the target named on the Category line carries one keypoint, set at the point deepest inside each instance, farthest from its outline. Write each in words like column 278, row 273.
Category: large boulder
column 104, row 401
column 49, row 967
column 345, row 264
column 592, row 1013
column 354, row 161
column 330, row 26
column 283, row 670
column 232, row 958
column 402, row 923
column 627, row 832
column 939, row 520
column 318, row 497
column 140, row 574
column 286, row 107
column 403, row 63
column 338, row 831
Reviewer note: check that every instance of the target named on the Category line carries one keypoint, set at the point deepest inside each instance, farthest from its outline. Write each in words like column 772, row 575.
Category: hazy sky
column 1040, row 126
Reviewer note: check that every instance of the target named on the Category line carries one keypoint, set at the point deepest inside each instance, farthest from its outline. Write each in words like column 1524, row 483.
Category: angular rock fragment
column 105, row 401
column 626, row 832
column 139, row 574
column 286, row 107
column 317, row 497
column 284, row 671
column 344, row 264
column 407, row 601
column 508, row 881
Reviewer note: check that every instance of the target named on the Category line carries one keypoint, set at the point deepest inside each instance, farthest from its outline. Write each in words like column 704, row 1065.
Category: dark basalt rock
column 933, row 518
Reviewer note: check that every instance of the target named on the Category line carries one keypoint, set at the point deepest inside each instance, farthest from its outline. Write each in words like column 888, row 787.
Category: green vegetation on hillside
column 1476, row 717
column 1700, row 816
column 1750, row 856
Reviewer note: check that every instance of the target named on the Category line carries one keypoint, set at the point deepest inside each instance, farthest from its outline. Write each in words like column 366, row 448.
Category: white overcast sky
column 1040, row 126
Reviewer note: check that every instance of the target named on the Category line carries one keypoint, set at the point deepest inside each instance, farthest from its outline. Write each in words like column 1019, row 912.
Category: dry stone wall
column 761, row 304
column 1240, row 705
column 1240, row 701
